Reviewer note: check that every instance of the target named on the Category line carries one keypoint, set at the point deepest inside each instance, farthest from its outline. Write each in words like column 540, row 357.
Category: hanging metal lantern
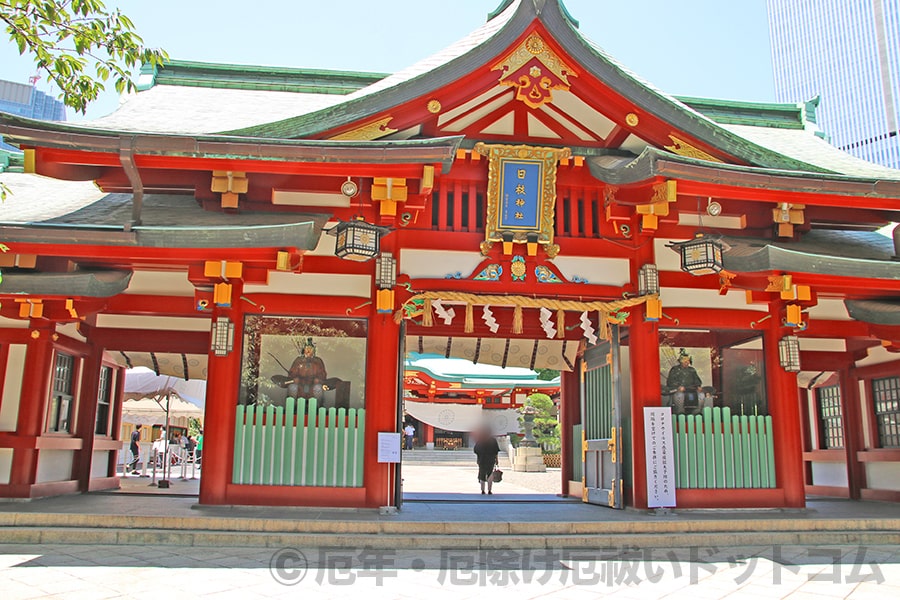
column 648, row 280
column 701, row 255
column 222, row 338
column 357, row 240
column 385, row 271
column 789, row 353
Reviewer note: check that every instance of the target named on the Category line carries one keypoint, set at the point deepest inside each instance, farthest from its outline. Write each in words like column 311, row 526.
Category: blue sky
column 708, row 48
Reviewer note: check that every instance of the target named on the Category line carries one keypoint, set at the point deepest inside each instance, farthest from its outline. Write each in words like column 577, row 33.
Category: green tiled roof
column 758, row 114
column 249, row 77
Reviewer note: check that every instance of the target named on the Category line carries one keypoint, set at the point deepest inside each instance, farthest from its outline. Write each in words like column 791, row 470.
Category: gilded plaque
column 521, row 194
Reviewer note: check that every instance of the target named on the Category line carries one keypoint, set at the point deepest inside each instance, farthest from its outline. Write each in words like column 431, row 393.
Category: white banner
column 660, row 456
column 463, row 417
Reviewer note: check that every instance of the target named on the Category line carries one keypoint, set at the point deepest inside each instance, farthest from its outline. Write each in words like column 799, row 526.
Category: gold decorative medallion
column 632, row 120
column 682, row 148
column 534, row 70
column 434, row 106
column 369, row 131
column 521, row 194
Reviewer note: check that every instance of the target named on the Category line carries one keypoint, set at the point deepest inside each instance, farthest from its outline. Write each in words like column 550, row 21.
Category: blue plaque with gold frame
column 521, row 190
column 521, row 195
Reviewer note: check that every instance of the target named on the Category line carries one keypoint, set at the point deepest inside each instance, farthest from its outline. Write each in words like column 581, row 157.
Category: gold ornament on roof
column 683, row 148
column 535, row 70
column 369, row 131
column 434, row 106
column 534, row 44
column 632, row 120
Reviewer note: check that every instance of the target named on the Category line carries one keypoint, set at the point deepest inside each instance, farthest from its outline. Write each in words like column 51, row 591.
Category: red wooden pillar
column 643, row 343
column 32, row 407
column 118, row 397
column 569, row 416
column 86, row 418
column 222, row 384
column 429, row 433
column 382, row 371
column 852, row 430
column 784, row 407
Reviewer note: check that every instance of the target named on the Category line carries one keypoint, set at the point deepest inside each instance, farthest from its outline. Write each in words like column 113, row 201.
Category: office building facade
column 848, row 54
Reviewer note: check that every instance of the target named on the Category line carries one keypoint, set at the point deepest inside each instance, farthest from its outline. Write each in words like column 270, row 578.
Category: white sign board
column 388, row 447
column 660, row 456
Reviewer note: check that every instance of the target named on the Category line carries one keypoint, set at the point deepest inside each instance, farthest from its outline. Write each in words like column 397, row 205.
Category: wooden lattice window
column 104, row 397
column 886, row 396
column 831, row 421
column 60, row 417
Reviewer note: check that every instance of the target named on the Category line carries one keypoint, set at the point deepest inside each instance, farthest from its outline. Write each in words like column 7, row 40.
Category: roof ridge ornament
column 538, row 9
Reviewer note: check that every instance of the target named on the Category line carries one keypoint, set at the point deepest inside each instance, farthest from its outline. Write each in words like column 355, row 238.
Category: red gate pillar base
column 223, row 383
column 382, row 373
column 784, row 407
column 643, row 345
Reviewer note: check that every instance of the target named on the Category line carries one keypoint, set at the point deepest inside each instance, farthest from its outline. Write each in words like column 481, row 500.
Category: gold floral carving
column 682, row 148
column 434, row 106
column 369, row 131
column 533, row 84
column 549, row 158
column 632, row 120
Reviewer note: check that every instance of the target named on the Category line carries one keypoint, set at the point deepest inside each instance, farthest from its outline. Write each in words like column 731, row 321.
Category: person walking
column 135, row 449
column 409, row 433
column 486, row 450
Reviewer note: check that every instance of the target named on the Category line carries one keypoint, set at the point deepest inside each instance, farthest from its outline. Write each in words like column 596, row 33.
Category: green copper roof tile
column 251, row 77
column 759, row 114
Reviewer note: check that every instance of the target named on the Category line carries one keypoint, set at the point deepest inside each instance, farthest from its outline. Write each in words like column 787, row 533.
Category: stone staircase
column 359, row 530
column 463, row 457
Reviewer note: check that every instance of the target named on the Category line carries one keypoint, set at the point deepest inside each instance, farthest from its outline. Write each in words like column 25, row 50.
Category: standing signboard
column 660, row 453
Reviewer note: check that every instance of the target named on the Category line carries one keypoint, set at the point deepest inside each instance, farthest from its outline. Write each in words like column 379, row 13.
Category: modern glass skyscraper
column 847, row 52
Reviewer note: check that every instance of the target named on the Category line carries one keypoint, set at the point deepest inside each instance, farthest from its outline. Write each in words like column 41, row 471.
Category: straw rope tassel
column 517, row 320
column 427, row 317
column 604, row 325
column 470, row 320
column 560, row 323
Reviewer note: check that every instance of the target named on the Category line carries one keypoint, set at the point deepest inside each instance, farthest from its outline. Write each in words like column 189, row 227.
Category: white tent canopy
column 148, row 395
column 143, row 383
column 152, row 411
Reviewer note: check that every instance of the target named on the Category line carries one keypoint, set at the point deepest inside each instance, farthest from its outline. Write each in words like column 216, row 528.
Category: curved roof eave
column 92, row 284
column 362, row 105
column 653, row 162
column 878, row 312
column 775, row 258
column 51, row 134
column 303, row 236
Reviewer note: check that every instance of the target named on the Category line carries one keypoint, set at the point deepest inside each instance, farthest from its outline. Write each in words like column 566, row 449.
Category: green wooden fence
column 718, row 450
column 300, row 445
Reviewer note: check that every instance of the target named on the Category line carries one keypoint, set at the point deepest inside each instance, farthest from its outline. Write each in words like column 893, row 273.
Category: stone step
column 44, row 528
column 205, row 538
column 464, row 457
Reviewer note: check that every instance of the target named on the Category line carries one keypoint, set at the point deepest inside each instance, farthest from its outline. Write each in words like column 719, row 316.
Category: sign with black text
column 659, row 456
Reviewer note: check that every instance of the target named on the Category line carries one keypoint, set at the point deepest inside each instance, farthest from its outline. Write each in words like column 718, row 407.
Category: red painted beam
column 151, row 340
column 824, row 361
column 712, row 318
column 887, row 369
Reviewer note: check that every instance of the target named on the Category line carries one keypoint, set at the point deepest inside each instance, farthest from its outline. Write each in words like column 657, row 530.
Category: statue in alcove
column 308, row 378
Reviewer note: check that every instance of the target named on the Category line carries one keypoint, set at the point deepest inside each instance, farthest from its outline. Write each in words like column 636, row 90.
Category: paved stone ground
column 154, row 572
column 452, row 479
